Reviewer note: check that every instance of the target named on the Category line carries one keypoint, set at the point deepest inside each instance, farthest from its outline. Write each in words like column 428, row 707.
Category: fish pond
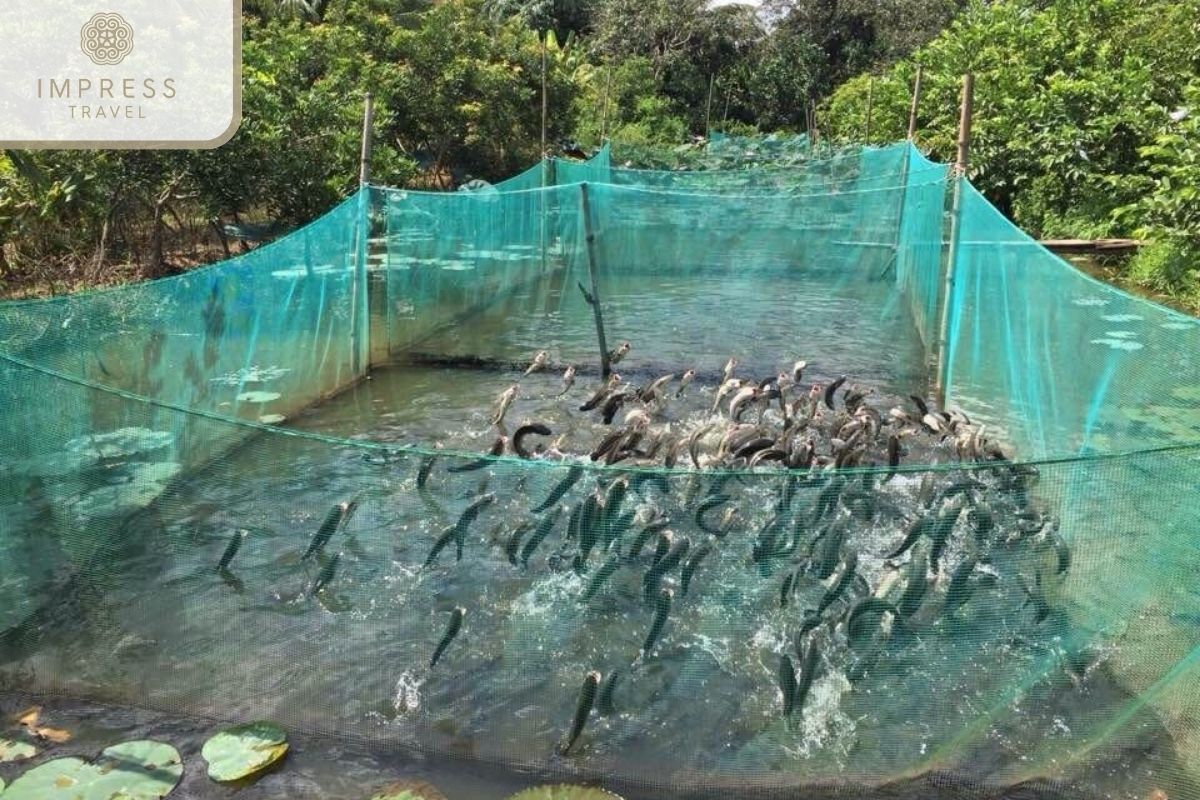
column 972, row 672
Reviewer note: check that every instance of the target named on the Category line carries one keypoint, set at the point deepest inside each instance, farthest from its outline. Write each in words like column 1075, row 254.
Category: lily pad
column 140, row 770
column 244, row 750
column 409, row 790
column 258, row 397
column 15, row 751
column 563, row 791
column 119, row 443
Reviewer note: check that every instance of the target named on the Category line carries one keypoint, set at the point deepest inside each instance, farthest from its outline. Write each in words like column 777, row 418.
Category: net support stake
column 961, row 163
column 359, row 315
column 364, row 163
column 870, row 108
column 545, row 103
column 916, row 103
column 712, row 79
column 590, row 239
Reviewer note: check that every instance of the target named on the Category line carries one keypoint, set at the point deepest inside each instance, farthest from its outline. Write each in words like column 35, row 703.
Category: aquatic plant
column 564, row 791
column 244, row 750
column 15, row 751
column 138, row 770
column 409, row 790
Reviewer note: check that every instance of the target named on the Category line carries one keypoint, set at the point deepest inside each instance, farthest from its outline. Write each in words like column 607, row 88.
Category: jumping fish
column 568, row 380
column 684, row 381
column 726, row 388
column 808, row 672
column 739, row 401
column 708, row 505
column 424, row 470
column 231, row 550
column 518, row 439
column 869, row 605
column 661, row 610
column 689, row 569
column 497, row 449
column 730, row 366
column 335, row 519
column 583, row 707
column 605, row 389
column 602, row 575
column 958, row 589
column 539, row 362
column 785, row 590
column 604, row 702
column 652, row 390
column 539, row 533
column 325, row 575
column 612, row 405
column 840, row 585
column 647, row 531
column 916, row 584
column 798, row 370
column 452, row 629
column 559, row 491
column 662, row 546
column 447, row 536
column 665, row 564
column 787, row 684
column 468, row 516
column 503, row 402
column 514, row 541
column 617, row 353
column 830, row 389
column 912, row 533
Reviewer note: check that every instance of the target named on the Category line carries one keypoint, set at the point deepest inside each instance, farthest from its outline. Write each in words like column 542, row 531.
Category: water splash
column 407, row 697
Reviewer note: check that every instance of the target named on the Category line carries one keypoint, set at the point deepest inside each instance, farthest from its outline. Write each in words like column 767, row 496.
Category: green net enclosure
column 373, row 481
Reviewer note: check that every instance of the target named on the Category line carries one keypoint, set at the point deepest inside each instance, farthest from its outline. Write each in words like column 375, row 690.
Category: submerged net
column 956, row 625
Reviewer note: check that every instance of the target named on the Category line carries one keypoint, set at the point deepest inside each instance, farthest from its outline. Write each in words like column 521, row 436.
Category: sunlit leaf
column 244, row 750
column 409, row 790
column 139, row 770
column 563, row 791
column 15, row 751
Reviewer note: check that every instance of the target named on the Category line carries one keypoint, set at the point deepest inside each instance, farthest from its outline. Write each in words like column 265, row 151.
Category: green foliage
column 1067, row 94
column 1170, row 265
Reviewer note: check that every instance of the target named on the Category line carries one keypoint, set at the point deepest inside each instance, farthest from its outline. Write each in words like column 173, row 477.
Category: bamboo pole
column 961, row 164
column 594, row 299
column 604, row 109
column 870, row 105
column 545, row 105
column 364, row 162
column 916, row 102
column 708, row 106
column 359, row 316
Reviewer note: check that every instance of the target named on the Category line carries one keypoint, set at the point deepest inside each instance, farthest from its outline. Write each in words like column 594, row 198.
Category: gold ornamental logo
column 106, row 39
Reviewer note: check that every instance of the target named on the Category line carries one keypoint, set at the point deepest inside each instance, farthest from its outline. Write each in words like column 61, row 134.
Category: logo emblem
column 106, row 39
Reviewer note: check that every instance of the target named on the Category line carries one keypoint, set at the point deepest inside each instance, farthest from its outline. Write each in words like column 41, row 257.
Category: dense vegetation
column 457, row 85
column 1087, row 120
column 1088, row 113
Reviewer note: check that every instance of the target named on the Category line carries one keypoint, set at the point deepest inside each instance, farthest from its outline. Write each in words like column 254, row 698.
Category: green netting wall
column 1049, row 652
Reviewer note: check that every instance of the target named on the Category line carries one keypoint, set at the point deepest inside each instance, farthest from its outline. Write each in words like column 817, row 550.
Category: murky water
column 999, row 691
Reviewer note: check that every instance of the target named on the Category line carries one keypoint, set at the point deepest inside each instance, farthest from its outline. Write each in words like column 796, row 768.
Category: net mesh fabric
column 138, row 432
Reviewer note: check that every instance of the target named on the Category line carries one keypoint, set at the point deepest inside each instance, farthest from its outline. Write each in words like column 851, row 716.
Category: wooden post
column 916, row 102
column 590, row 238
column 364, row 163
column 961, row 164
column 708, row 106
column 359, row 316
column 545, row 106
column 870, row 104
column 604, row 111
